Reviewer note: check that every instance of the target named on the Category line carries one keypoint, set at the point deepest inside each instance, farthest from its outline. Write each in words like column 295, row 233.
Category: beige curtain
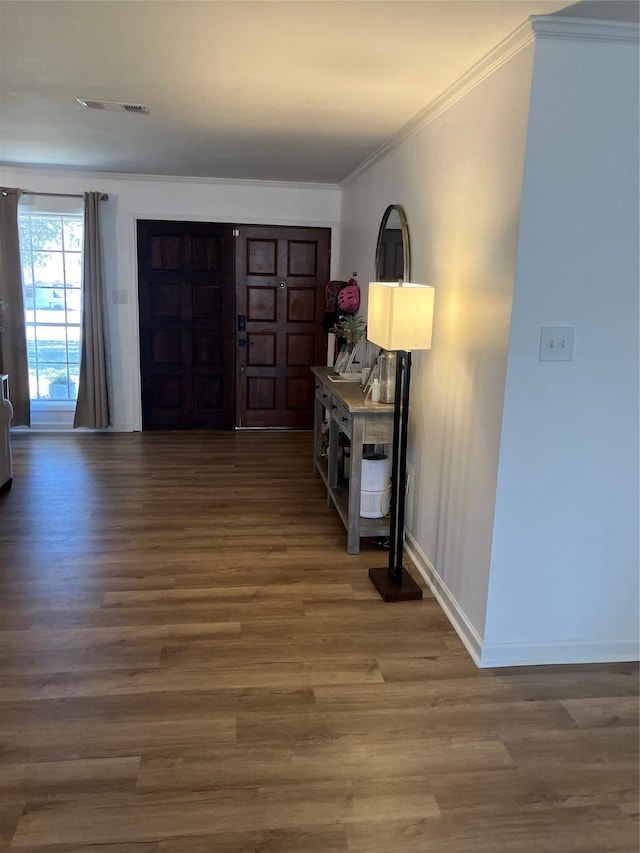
column 13, row 338
column 92, row 406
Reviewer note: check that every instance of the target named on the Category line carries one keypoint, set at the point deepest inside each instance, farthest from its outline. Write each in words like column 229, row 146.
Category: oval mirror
column 393, row 255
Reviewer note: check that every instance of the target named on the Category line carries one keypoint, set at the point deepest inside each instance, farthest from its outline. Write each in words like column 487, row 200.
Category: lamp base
column 389, row 590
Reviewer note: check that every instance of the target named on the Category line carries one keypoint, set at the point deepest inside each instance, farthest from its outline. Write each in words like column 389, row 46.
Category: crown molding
column 537, row 26
column 584, row 29
column 509, row 47
column 66, row 172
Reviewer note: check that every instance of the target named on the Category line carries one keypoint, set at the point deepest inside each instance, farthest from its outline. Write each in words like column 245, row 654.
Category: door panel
column 261, row 304
column 281, row 274
column 262, row 352
column 301, row 305
column 302, row 258
column 185, row 278
column 262, row 256
column 300, row 349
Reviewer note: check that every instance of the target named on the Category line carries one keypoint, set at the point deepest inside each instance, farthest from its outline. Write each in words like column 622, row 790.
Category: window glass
column 46, row 232
column 73, row 269
column 72, row 229
column 51, row 248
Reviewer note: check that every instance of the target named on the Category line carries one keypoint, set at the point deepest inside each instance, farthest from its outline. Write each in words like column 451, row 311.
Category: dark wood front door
column 185, row 286
column 281, row 274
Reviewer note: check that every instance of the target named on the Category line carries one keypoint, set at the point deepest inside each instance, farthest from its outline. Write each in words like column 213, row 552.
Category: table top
column 350, row 393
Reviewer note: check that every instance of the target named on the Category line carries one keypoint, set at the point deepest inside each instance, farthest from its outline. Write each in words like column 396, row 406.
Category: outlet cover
column 556, row 343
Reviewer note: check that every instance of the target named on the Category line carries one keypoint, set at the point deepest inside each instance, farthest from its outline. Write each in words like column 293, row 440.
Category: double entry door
column 230, row 323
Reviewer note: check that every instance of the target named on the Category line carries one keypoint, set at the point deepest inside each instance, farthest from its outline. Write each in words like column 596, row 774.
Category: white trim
column 584, row 29
column 62, row 205
column 509, row 47
column 52, row 416
column 495, row 655
column 44, row 427
column 36, row 429
column 531, row 654
column 71, row 173
column 454, row 613
column 537, row 26
column 245, row 219
column 136, row 371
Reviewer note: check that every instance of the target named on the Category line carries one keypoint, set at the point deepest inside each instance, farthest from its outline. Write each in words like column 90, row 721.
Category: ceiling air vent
column 114, row 106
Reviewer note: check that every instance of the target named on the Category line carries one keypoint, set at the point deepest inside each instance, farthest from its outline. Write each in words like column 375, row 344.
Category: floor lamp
column 400, row 317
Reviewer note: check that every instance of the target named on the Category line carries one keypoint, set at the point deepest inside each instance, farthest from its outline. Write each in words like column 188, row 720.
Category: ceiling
column 275, row 91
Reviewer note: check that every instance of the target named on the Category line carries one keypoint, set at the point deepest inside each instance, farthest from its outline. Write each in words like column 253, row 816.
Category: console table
column 362, row 423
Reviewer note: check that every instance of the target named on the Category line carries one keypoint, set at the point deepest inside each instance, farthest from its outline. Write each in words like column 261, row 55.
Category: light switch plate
column 556, row 343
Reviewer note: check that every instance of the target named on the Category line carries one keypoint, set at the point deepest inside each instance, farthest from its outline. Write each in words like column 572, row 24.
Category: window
column 51, row 249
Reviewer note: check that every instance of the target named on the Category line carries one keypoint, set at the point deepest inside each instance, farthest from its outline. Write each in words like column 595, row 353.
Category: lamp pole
column 393, row 583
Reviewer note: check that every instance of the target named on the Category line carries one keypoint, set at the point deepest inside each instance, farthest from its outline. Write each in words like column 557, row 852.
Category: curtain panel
column 92, row 405
column 13, row 338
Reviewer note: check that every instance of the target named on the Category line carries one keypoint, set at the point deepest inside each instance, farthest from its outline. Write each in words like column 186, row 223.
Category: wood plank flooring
column 190, row 662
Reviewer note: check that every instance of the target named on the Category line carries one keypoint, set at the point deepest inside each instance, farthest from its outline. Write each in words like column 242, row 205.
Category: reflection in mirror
column 393, row 257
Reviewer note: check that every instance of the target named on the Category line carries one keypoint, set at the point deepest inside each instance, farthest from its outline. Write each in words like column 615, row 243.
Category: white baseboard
column 52, row 417
column 541, row 654
column 462, row 626
column 490, row 655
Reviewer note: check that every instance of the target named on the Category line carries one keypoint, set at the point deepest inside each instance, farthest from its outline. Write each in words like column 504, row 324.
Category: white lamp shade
column 400, row 315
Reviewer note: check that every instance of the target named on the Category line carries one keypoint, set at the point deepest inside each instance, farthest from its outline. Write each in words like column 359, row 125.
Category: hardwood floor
column 190, row 662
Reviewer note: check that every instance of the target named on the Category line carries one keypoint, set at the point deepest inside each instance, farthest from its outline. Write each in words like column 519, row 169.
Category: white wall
column 459, row 180
column 133, row 198
column 564, row 569
column 553, row 577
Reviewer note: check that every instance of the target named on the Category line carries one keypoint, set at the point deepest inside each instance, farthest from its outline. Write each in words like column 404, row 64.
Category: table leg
column 334, row 443
column 318, row 413
column 355, row 481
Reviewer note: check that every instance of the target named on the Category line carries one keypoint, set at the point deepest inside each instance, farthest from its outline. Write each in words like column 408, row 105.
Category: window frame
column 59, row 411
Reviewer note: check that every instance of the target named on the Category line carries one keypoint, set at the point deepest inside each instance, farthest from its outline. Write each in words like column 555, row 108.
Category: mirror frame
column 406, row 246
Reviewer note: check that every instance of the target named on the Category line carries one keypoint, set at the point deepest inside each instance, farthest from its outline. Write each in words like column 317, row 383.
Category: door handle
column 244, row 343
